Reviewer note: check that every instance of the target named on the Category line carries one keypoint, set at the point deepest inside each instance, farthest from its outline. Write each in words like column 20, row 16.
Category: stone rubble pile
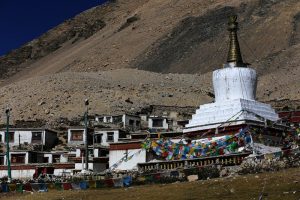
column 262, row 164
column 255, row 165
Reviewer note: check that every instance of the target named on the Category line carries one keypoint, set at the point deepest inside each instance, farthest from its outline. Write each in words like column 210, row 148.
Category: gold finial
column 234, row 53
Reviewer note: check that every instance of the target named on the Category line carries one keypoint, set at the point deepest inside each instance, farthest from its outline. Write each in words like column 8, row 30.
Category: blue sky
column 24, row 20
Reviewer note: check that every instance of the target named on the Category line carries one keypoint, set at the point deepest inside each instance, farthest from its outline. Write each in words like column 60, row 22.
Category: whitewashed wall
column 165, row 124
column 116, row 155
column 79, row 166
column 104, row 136
column 60, row 172
column 28, row 173
column 126, row 118
column 11, row 153
column 18, row 174
column 96, row 153
column 96, row 167
column 49, row 156
column 76, row 142
column 25, row 136
column 64, row 158
column 234, row 83
column 78, row 152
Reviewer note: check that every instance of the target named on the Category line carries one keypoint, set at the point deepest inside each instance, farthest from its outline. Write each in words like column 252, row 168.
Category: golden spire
column 234, row 53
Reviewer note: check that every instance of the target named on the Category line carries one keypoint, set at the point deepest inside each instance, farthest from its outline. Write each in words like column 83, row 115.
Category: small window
column 82, row 152
column 108, row 119
column 77, row 135
column 117, row 119
column 137, row 123
column 102, row 153
column 100, row 119
column 36, row 137
column 1, row 160
column 91, row 152
column 131, row 122
column 110, row 136
column 18, row 158
column 157, row 122
column 98, row 138
column 11, row 136
column 46, row 160
column 56, row 158
column 122, row 134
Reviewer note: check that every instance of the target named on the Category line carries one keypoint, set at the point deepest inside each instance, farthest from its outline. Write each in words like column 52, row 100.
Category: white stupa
column 235, row 94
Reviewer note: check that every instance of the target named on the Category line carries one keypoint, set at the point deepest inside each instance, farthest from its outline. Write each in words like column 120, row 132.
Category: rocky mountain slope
column 109, row 92
column 184, row 40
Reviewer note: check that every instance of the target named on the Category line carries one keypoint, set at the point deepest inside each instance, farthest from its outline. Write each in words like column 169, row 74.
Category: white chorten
column 235, row 93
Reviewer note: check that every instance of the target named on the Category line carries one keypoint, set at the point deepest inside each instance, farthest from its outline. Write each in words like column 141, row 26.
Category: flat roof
column 159, row 132
column 104, row 115
column 29, row 129
column 108, row 129
column 127, row 142
column 90, row 146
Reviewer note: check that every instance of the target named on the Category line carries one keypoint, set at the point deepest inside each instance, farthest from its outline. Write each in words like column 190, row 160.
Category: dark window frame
column 131, row 122
column 56, row 158
column 157, row 123
column 98, row 137
column 11, row 137
column 112, row 135
column 18, row 158
column 33, row 139
column 2, row 160
column 108, row 119
column 75, row 135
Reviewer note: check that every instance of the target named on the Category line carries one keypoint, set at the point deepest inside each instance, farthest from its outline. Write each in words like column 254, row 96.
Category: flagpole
column 7, row 111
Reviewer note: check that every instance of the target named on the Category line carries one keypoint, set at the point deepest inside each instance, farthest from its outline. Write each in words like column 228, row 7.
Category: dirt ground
column 272, row 185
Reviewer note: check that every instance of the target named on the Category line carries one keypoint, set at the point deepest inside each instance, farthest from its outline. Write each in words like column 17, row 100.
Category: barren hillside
column 44, row 79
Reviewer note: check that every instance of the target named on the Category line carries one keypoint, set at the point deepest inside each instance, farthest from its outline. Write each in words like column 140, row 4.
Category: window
column 1, row 160
column 18, row 158
column 11, row 136
column 98, row 138
column 100, row 119
column 110, row 136
column 82, row 152
column 77, row 135
column 137, row 123
column 157, row 122
column 108, row 119
column 36, row 137
column 122, row 134
column 182, row 123
column 46, row 160
column 55, row 158
column 102, row 153
column 90, row 152
column 131, row 122
column 117, row 119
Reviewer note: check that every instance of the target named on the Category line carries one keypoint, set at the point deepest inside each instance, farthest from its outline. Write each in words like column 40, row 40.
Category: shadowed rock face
column 186, row 38
column 200, row 44
column 295, row 38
